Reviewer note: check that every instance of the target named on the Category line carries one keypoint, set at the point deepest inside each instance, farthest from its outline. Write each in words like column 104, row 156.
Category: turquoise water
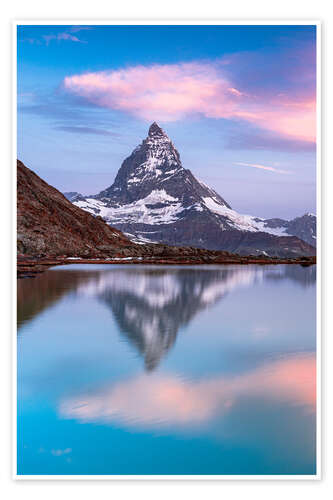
column 167, row 370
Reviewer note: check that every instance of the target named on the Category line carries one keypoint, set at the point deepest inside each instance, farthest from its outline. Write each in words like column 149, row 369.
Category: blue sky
column 238, row 102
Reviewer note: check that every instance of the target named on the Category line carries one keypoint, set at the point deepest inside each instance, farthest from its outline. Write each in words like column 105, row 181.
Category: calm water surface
column 167, row 370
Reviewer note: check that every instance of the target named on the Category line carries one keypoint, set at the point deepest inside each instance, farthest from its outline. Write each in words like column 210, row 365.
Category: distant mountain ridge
column 72, row 195
column 155, row 199
column 304, row 227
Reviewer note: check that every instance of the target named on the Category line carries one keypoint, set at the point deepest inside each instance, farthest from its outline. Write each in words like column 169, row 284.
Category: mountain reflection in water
column 167, row 370
column 150, row 304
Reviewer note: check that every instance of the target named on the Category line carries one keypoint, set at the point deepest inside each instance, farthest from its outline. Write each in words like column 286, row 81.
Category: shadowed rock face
column 155, row 199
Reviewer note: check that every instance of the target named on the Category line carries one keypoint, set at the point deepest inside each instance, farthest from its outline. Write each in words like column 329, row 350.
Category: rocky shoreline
column 30, row 267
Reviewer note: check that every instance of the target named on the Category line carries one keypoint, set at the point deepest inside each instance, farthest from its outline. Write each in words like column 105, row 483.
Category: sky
column 238, row 102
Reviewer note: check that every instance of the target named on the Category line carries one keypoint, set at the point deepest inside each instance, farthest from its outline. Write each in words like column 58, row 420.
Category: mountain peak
column 154, row 174
column 155, row 129
column 154, row 198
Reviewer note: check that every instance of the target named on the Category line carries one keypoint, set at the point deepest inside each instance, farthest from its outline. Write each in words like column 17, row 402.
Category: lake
column 171, row 370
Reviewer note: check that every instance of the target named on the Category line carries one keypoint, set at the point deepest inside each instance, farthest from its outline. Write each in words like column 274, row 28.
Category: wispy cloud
column 62, row 36
column 75, row 29
column 263, row 167
column 32, row 41
column 86, row 130
column 66, row 35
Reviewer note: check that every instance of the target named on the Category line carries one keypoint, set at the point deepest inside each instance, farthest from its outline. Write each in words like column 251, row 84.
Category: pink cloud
column 164, row 92
column 171, row 92
column 287, row 116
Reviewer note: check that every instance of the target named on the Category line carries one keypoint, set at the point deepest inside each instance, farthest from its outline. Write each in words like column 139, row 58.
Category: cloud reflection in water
column 165, row 400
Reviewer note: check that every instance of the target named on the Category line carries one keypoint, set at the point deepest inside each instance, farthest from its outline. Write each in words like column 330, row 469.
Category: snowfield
column 243, row 222
column 143, row 211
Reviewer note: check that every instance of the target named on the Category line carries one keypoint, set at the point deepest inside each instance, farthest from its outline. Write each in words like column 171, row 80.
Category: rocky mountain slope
column 48, row 224
column 155, row 199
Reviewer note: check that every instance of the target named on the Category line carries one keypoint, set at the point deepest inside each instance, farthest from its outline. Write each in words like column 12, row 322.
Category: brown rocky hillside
column 49, row 225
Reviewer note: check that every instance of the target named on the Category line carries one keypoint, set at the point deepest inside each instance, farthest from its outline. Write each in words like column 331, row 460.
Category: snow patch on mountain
column 157, row 208
column 242, row 222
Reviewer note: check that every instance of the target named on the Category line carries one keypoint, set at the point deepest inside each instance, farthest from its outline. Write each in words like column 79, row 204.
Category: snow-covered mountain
column 155, row 199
